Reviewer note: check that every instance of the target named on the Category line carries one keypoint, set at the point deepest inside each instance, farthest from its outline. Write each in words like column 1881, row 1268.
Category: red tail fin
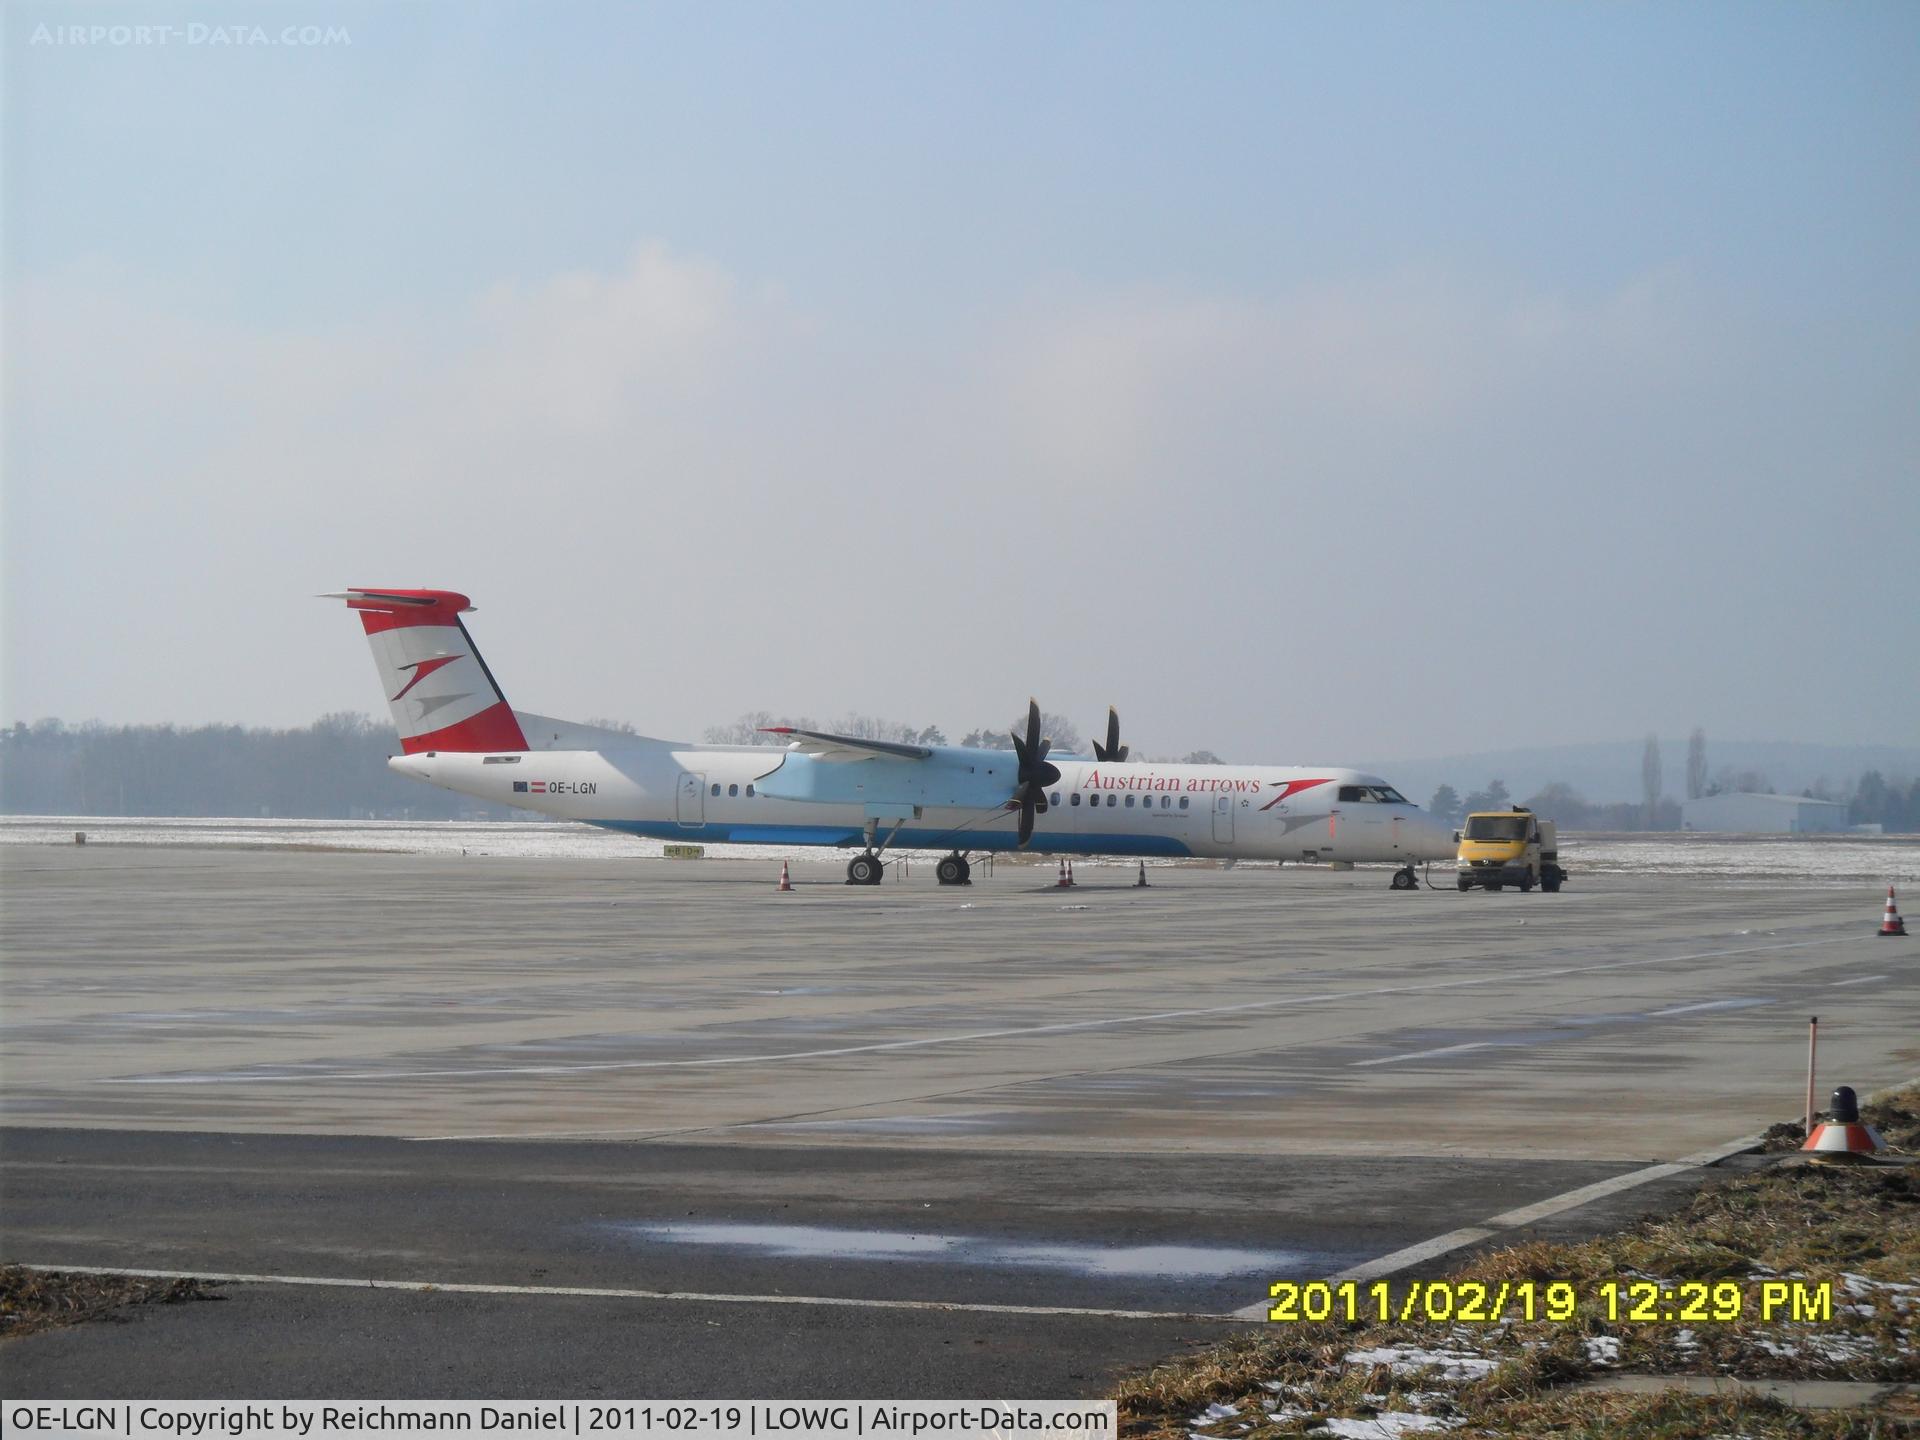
column 440, row 691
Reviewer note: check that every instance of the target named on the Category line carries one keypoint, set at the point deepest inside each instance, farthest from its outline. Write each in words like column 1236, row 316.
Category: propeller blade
column 1035, row 773
column 1113, row 750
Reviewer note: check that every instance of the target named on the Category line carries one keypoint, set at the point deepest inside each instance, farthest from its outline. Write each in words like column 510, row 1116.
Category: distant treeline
column 1894, row 805
column 333, row 769
column 336, row 769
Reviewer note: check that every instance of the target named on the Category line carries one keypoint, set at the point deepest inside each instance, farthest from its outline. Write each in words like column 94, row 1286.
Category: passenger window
column 733, row 789
column 1112, row 800
column 1166, row 802
column 1183, row 802
column 749, row 792
column 1076, row 798
column 1054, row 799
column 716, row 787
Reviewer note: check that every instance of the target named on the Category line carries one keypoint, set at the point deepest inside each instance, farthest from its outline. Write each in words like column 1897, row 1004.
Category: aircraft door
column 690, row 805
column 1223, row 819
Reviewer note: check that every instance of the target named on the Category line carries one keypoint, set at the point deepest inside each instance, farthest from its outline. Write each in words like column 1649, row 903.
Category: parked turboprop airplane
column 458, row 732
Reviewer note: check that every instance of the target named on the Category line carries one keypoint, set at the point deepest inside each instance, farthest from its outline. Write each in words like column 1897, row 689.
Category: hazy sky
column 1313, row 381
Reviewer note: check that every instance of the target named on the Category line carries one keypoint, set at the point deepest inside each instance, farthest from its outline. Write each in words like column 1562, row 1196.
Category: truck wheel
column 1465, row 883
column 1552, row 886
column 1526, row 882
column 1496, row 884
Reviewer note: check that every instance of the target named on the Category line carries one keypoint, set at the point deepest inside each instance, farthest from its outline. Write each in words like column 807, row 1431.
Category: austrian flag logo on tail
column 421, row 669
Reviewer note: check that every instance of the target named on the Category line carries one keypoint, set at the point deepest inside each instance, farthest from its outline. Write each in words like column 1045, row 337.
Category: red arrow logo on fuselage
column 1290, row 788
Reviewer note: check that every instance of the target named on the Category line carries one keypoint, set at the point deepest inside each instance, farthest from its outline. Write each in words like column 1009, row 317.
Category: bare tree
column 1650, row 778
column 1064, row 734
column 1696, row 764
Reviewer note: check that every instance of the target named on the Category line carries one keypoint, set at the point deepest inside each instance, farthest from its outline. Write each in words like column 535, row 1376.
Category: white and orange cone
column 1069, row 872
column 1064, row 879
column 1891, row 923
column 1844, row 1134
column 786, row 880
column 1141, row 883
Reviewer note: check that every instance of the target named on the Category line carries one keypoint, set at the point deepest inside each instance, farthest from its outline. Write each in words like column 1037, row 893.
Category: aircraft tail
column 440, row 691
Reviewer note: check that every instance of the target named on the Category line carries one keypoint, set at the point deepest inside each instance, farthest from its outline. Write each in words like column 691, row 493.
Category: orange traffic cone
column 786, row 880
column 1141, row 883
column 1069, row 872
column 1064, row 880
column 1892, row 924
column 1844, row 1134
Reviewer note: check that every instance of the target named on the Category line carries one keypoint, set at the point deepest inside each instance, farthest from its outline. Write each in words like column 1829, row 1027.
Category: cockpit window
column 1353, row 794
column 1387, row 795
column 1497, row 827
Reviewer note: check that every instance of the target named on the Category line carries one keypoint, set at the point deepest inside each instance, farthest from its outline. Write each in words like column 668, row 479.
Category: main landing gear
column 867, row 868
column 954, row 870
column 1405, row 879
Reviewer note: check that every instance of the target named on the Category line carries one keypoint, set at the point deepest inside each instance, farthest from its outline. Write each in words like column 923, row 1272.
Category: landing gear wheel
column 1405, row 879
column 865, row 869
column 954, row 870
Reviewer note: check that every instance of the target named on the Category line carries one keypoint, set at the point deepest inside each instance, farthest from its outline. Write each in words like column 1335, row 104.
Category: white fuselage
column 760, row 795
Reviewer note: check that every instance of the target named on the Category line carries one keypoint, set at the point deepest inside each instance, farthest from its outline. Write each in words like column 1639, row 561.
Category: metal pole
column 1813, row 1040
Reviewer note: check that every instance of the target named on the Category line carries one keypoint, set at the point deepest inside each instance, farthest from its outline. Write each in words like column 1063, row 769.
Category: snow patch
column 1386, row 1425
column 1411, row 1359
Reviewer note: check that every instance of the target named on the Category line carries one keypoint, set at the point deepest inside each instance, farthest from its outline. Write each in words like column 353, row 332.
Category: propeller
column 1035, row 774
column 1113, row 751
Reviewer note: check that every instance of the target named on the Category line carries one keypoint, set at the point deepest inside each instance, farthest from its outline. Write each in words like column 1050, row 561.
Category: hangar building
column 1763, row 815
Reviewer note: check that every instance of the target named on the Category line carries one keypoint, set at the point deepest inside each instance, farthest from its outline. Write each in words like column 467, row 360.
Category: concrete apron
column 1806, row 1394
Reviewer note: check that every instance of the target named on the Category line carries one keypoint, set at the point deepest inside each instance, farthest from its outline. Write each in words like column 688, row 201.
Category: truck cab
column 1498, row 848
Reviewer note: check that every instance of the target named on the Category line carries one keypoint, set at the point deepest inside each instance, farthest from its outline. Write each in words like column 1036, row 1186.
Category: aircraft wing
column 823, row 745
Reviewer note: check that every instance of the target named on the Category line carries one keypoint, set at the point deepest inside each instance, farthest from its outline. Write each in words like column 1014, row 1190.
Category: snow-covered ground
column 1842, row 859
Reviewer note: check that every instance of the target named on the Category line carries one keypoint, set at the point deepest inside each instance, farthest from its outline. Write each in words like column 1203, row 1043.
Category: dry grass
column 32, row 1300
column 1814, row 1223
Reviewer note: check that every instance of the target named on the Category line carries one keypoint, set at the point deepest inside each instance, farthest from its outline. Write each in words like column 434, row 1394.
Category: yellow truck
column 1515, row 847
